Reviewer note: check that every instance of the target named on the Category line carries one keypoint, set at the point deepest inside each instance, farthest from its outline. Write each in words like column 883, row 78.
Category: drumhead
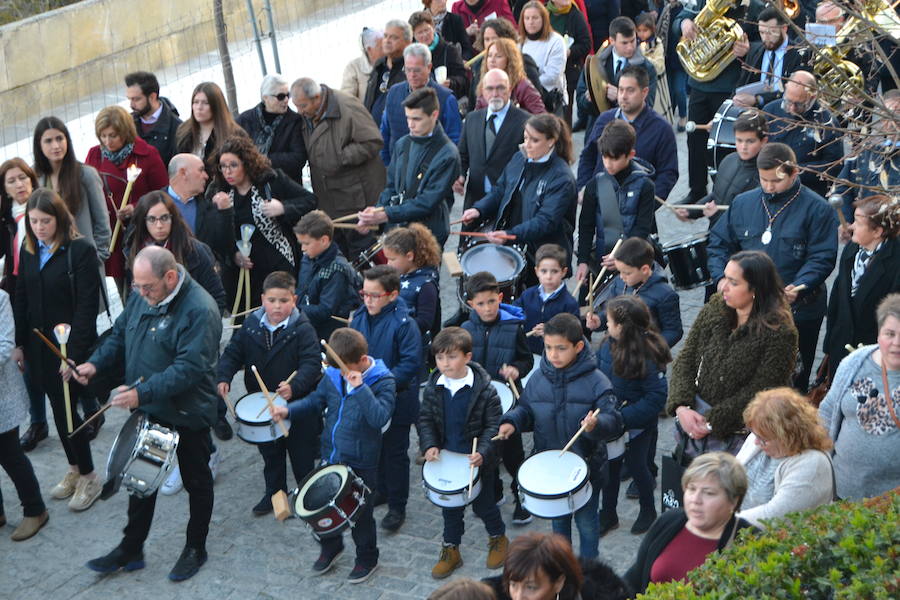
column 123, row 447
column 507, row 400
column 503, row 262
column 319, row 488
column 687, row 242
column 549, row 475
column 534, row 368
column 449, row 474
column 247, row 407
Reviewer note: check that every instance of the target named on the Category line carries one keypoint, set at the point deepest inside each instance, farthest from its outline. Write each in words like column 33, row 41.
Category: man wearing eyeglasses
column 168, row 334
column 275, row 129
column 800, row 121
column 388, row 69
column 769, row 61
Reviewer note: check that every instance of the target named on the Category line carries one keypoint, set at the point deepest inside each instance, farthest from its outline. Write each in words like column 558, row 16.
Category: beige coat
column 356, row 77
column 343, row 150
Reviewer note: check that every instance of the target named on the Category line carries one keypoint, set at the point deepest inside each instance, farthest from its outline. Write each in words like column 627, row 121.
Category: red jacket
column 500, row 7
column 153, row 177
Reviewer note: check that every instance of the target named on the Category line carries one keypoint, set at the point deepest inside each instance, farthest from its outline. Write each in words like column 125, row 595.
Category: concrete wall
column 59, row 56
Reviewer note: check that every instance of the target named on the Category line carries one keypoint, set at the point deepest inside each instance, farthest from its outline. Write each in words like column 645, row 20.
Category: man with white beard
column 489, row 138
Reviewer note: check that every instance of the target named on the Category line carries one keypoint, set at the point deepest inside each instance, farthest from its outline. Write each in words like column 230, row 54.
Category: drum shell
column 258, row 432
column 450, row 497
column 688, row 262
column 151, row 457
column 721, row 140
column 343, row 510
column 554, row 505
column 509, row 285
column 507, row 400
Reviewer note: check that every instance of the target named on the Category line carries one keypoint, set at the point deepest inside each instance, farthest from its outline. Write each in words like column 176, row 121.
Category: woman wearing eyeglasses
column 275, row 128
column 157, row 221
column 266, row 199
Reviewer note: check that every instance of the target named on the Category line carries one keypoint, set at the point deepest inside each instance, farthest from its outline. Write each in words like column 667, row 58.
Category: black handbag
column 673, row 466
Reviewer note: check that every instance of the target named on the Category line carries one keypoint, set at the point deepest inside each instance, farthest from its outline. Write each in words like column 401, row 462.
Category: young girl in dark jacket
column 415, row 253
column 634, row 357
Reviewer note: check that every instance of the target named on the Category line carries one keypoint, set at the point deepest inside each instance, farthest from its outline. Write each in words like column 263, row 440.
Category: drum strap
column 608, row 201
column 410, row 190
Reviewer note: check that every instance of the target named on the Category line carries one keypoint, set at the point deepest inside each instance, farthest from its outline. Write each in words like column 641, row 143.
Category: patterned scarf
column 118, row 157
column 266, row 133
column 860, row 263
column 266, row 226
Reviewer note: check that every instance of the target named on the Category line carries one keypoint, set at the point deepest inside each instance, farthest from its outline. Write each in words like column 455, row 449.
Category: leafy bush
column 846, row 550
column 14, row 10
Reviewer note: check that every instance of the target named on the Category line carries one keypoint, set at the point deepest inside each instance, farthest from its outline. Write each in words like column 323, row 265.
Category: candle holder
column 62, row 333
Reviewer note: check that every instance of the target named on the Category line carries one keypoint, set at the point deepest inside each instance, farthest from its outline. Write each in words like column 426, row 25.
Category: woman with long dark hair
column 742, row 342
column 210, row 124
column 157, row 221
column 268, row 200
column 634, row 356
column 59, row 282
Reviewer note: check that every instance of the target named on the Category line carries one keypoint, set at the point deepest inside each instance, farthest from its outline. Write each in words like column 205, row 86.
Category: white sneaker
column 173, row 483
column 214, row 460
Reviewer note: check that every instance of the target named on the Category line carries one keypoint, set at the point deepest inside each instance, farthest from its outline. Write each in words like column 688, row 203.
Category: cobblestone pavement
column 258, row 557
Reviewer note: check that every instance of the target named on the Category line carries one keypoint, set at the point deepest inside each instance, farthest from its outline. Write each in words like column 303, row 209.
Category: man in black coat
column 275, row 128
column 770, row 61
column 484, row 154
column 388, row 69
column 155, row 118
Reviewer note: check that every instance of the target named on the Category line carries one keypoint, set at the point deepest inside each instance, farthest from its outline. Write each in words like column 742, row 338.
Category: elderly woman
column 548, row 49
column 120, row 148
column 505, row 55
column 268, row 200
column 542, row 566
column 450, row 27
column 742, row 342
column 680, row 540
column 356, row 73
column 785, row 457
column 442, row 54
column 862, row 411
column 209, row 125
column 869, row 270
column 275, row 128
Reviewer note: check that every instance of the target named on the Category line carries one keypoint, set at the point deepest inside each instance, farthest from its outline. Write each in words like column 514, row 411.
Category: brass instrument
column 595, row 79
column 838, row 77
column 708, row 54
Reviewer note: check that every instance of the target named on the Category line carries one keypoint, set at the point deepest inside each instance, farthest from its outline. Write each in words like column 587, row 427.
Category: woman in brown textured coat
column 744, row 341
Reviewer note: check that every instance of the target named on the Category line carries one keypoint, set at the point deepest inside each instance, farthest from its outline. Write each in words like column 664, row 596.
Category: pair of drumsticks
column 571, row 441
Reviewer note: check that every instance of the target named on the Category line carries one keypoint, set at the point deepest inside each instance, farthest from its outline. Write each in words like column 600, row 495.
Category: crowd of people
column 208, row 219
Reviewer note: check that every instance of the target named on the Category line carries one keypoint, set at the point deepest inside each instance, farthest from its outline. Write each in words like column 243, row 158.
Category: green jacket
column 175, row 347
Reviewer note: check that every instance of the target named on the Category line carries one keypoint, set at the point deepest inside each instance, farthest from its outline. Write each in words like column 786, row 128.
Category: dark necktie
column 770, row 72
column 619, row 64
column 490, row 134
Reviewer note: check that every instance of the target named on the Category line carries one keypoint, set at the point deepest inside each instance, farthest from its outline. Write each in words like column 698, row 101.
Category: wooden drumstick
column 604, row 269
column 502, row 236
column 472, row 467
column 104, row 408
column 286, row 382
column 341, row 319
column 497, row 438
column 511, row 384
column 337, row 359
column 54, row 349
column 351, row 226
column 353, row 216
column 800, row 288
column 245, row 312
column 719, row 207
column 577, row 433
column 692, row 126
column 268, row 396
column 590, row 294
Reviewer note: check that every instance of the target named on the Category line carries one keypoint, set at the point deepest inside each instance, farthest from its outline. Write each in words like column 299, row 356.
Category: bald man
column 803, row 123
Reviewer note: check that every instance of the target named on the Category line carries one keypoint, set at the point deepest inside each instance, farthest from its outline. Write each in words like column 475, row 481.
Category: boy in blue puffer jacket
column 559, row 399
column 356, row 405
column 549, row 297
column 499, row 345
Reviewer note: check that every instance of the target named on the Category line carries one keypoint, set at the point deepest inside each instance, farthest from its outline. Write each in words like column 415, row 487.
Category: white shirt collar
column 264, row 321
column 154, row 117
column 545, row 295
column 454, row 385
column 177, row 289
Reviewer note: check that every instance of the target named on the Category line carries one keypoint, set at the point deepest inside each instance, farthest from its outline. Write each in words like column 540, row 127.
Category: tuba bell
column 707, row 55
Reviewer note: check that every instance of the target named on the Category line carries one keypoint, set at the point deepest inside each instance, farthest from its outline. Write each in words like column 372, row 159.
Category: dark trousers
column 194, row 449
column 808, row 334
column 37, row 405
column 702, row 107
column 635, row 458
column 364, row 535
column 513, row 455
column 77, row 449
column 393, row 467
column 300, row 445
column 18, row 467
column 484, row 506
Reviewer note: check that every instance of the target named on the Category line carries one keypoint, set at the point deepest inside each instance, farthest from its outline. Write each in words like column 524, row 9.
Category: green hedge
column 846, row 550
column 14, row 10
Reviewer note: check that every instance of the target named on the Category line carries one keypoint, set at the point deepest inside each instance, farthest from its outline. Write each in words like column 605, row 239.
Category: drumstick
column 54, row 349
column 577, row 433
column 497, row 438
column 472, row 467
column 244, row 312
column 104, row 408
column 233, row 326
column 457, row 222
column 692, row 126
column 341, row 319
column 268, row 396
column 502, row 236
column 532, row 333
column 286, row 382
column 353, row 216
column 604, row 269
column 337, row 359
column 511, row 384
column 350, row 226
column 590, row 294
column 799, row 288
column 699, row 206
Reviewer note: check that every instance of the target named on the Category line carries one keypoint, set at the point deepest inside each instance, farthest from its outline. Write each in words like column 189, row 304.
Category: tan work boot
column 86, row 493
column 66, row 487
column 29, row 526
column 449, row 561
column 497, row 546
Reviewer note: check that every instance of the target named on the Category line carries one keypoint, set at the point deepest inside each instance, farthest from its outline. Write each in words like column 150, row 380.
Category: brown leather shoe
column 29, row 526
column 449, row 561
column 497, row 546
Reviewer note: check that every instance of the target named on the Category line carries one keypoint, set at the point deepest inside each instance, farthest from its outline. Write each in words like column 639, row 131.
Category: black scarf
column 266, row 133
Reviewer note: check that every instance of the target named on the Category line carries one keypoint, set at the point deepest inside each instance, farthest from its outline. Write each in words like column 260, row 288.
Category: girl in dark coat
column 59, row 282
column 415, row 253
column 266, row 199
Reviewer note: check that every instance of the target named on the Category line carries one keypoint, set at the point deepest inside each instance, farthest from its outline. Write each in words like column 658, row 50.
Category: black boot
column 34, row 434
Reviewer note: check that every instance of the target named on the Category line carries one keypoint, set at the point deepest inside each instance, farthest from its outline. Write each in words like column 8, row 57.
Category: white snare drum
column 534, row 369
column 507, row 400
column 553, row 486
column 257, row 429
column 616, row 447
column 142, row 455
column 446, row 481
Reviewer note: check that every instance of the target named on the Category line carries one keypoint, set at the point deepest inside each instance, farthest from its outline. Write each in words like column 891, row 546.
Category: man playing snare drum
column 168, row 334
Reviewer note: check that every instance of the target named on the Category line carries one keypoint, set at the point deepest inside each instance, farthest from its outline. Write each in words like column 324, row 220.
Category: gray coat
column 13, row 399
column 92, row 219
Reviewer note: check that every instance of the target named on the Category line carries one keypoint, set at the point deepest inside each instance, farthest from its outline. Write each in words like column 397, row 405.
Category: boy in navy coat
column 550, row 297
column 357, row 405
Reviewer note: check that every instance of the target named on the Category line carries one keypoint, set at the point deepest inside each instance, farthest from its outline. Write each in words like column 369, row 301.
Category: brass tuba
column 595, row 79
column 710, row 52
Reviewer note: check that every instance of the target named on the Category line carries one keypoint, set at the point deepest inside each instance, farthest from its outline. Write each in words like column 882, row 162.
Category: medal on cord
column 766, row 237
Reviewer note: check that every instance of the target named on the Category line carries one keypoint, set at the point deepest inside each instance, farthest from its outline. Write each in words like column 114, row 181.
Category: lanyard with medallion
column 767, row 234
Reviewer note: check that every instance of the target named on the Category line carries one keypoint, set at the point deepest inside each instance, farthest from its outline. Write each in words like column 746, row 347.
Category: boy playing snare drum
column 560, row 398
column 459, row 404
